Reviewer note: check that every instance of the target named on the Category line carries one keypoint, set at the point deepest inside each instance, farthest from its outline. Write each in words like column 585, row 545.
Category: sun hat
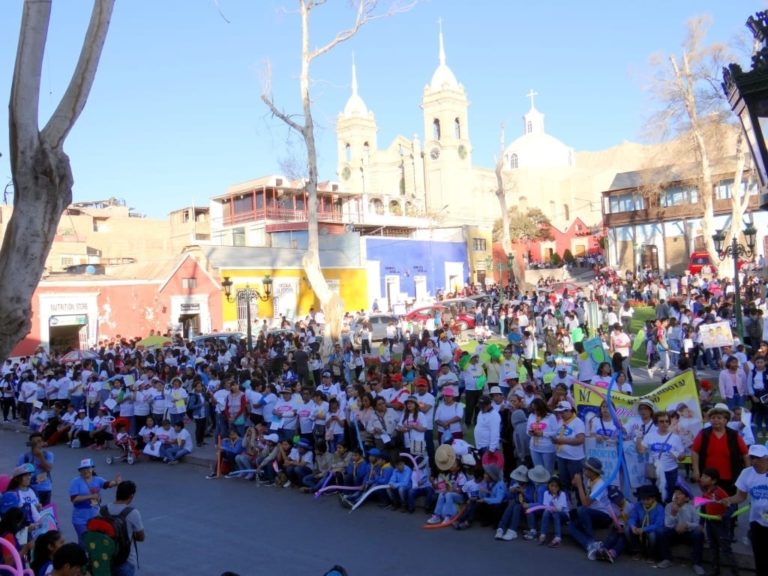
column 520, row 474
column 23, row 469
column 493, row 471
column 563, row 406
column 495, row 390
column 445, row 457
column 274, row 438
column 719, row 408
column 758, row 451
column 594, row 464
column 86, row 463
column 539, row 475
column 647, row 403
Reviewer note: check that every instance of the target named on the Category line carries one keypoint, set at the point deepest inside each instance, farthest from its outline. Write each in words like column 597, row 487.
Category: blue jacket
column 498, row 493
column 654, row 521
column 358, row 473
column 401, row 479
column 232, row 448
column 380, row 475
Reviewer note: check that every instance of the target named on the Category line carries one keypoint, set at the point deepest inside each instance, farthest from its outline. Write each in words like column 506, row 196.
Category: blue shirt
column 85, row 509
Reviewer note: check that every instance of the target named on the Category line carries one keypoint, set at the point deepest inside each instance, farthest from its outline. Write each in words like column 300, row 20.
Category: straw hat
column 720, row 408
column 445, row 457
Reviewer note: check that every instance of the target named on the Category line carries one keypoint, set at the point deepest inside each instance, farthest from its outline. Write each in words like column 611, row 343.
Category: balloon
column 5, row 479
column 494, row 351
column 481, row 381
column 464, row 361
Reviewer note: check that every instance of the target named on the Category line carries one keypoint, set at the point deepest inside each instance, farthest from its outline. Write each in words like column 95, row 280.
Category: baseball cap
column 563, row 406
column 758, row 451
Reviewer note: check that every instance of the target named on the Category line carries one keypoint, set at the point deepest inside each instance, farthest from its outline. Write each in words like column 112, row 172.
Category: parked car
column 462, row 311
column 378, row 324
column 223, row 337
column 700, row 259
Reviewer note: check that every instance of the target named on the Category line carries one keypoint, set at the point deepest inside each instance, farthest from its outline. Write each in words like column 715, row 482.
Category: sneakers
column 698, row 569
column 435, row 519
column 529, row 534
column 509, row 535
column 664, row 564
column 592, row 550
column 499, row 534
column 555, row 542
column 287, row 484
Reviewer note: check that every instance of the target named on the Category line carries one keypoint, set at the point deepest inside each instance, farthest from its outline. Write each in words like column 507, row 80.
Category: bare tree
column 365, row 11
column 501, row 195
column 688, row 86
column 42, row 176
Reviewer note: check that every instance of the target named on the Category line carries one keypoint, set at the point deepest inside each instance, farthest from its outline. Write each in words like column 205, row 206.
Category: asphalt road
column 203, row 527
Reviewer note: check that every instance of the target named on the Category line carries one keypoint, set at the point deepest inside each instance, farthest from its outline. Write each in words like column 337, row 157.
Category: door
column 420, row 283
column 392, row 282
column 650, row 257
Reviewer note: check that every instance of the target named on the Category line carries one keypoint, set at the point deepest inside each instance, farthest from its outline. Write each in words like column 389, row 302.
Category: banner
column 678, row 396
column 716, row 334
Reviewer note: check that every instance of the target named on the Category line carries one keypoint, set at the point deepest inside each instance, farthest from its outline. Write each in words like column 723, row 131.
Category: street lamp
column 736, row 251
column 248, row 295
column 510, row 267
column 747, row 94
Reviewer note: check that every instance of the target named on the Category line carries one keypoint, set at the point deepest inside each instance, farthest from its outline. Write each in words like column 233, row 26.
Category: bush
column 556, row 260
column 568, row 257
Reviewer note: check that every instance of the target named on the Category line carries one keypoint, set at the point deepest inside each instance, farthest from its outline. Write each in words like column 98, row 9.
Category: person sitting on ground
column 420, row 486
column 379, row 473
column 594, row 507
column 489, row 501
column 646, row 523
column 264, row 470
column 522, row 495
column 183, row 446
column 357, row 469
column 299, row 464
column 555, row 502
column 399, row 485
column 681, row 525
column 231, row 448
column 321, row 468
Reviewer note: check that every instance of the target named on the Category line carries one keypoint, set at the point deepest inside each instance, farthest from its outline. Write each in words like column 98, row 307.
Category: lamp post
column 735, row 251
column 747, row 94
column 248, row 295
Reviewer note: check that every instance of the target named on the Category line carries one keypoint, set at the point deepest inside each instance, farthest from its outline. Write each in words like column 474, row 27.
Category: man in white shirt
column 446, row 377
column 488, row 426
column 183, row 445
column 426, row 403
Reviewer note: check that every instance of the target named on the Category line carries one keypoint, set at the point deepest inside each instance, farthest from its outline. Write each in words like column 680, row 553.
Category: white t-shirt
column 428, row 400
column 665, row 447
column 549, row 427
column 570, row 431
column 445, row 412
column 184, row 438
column 756, row 485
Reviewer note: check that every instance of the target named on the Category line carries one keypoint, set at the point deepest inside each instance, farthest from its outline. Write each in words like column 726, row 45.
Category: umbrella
column 78, row 356
column 154, row 341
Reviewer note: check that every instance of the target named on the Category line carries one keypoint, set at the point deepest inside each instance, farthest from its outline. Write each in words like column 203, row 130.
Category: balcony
column 656, row 213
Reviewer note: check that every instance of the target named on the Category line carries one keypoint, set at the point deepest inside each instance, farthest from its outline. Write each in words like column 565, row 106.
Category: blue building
column 403, row 270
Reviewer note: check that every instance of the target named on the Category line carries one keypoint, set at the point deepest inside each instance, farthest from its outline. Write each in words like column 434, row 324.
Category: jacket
column 649, row 520
column 357, row 473
column 400, row 479
column 498, row 493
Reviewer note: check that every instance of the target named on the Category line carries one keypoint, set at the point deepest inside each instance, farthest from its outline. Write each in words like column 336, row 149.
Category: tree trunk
column 331, row 304
column 42, row 176
column 739, row 204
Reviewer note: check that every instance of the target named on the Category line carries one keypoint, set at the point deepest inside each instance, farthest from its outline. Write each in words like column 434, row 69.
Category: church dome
column 535, row 148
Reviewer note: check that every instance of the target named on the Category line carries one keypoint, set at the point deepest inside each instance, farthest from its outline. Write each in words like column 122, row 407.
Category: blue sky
column 175, row 116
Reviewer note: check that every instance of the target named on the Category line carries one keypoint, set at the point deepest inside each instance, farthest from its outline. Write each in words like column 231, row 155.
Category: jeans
column 296, row 474
column 243, row 462
column 693, row 538
column 646, row 543
column 398, row 495
column 510, row 519
column 670, row 476
column 448, row 504
column 584, row 521
column 566, row 470
column 173, row 452
column 414, row 493
column 735, row 401
column 557, row 518
column 174, row 418
column 546, row 459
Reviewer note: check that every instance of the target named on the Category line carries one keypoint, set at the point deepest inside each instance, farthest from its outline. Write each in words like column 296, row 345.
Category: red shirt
column 717, row 453
column 715, row 508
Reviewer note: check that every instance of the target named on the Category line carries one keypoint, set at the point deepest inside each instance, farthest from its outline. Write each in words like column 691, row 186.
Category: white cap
column 563, row 406
column 758, row 451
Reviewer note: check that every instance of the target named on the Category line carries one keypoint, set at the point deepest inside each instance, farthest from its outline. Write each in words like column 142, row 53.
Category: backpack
column 115, row 527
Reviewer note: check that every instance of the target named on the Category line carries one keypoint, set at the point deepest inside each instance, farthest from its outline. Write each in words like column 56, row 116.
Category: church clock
column 434, row 153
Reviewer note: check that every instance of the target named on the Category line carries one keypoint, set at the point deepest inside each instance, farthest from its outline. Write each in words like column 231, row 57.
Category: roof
column 668, row 174
column 229, row 257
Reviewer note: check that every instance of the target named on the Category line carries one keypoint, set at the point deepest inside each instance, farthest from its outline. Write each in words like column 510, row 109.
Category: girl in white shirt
column 412, row 426
column 555, row 501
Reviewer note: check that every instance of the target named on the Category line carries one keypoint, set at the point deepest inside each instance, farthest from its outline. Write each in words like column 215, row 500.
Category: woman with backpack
column 85, row 495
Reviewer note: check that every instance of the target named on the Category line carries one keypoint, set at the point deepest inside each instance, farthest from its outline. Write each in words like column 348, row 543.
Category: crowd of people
column 485, row 435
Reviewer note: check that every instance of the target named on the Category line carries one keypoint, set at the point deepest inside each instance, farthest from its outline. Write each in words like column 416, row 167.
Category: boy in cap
column 681, row 525
column 646, row 522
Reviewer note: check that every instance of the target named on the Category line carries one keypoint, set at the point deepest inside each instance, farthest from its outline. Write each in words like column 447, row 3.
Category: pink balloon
column 5, row 479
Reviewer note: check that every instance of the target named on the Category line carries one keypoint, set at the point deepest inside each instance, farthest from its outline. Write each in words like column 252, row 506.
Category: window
column 678, row 196
column 457, row 128
column 724, row 188
column 238, row 236
column 478, row 244
column 243, row 204
column 625, row 203
column 436, row 129
column 513, row 161
column 395, row 209
column 528, row 127
column 347, row 152
column 376, row 206
column 67, row 261
column 366, row 153
column 567, row 212
column 189, row 283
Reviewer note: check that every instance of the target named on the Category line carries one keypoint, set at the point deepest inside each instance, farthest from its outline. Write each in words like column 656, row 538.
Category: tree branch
column 25, row 90
column 266, row 97
column 73, row 102
column 364, row 15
